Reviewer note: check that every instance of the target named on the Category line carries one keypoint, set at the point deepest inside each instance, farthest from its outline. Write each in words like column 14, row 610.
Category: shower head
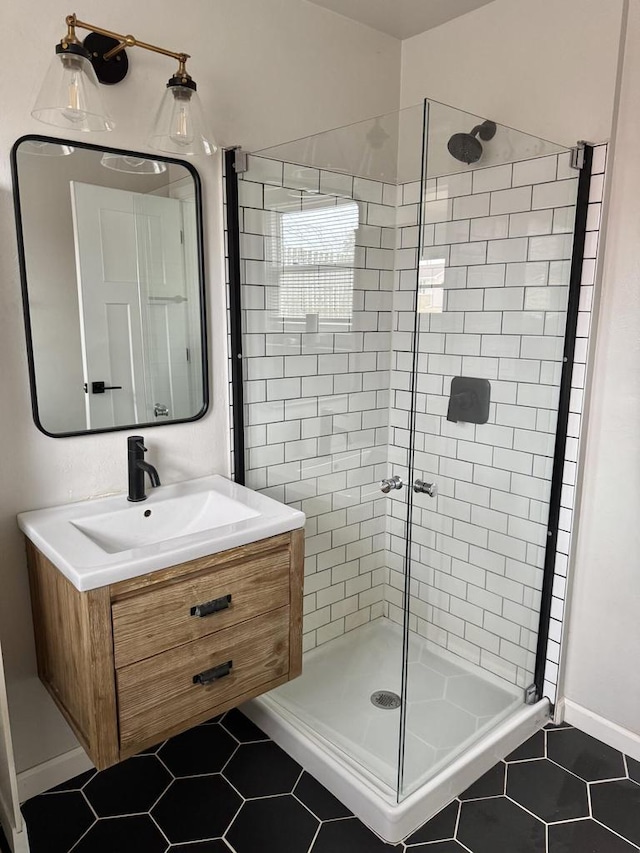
column 466, row 147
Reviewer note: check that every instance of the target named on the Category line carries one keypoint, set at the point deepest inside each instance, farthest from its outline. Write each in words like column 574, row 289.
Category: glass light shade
column 70, row 95
column 180, row 126
column 46, row 149
column 132, row 165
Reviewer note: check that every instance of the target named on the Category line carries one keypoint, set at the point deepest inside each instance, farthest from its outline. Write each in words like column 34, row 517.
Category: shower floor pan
column 460, row 720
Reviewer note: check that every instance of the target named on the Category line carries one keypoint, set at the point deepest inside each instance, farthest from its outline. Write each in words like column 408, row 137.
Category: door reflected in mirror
column 112, row 273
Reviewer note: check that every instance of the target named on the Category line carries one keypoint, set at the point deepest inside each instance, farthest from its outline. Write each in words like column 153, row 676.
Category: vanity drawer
column 188, row 609
column 163, row 693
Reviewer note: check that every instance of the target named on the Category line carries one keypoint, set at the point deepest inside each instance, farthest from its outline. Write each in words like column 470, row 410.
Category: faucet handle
column 136, row 442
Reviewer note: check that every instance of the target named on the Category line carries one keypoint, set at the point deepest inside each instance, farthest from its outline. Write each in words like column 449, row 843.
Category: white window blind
column 317, row 256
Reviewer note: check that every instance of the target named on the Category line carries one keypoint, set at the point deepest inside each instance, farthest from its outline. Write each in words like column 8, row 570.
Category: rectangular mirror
column 112, row 273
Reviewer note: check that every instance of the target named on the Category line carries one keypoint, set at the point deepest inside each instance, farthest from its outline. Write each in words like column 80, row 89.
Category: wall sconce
column 70, row 95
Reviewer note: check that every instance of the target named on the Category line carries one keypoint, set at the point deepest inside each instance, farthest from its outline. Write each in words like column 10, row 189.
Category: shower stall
column 403, row 300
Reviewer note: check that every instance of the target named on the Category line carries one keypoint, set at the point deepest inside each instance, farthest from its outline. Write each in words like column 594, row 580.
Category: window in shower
column 430, row 285
column 317, row 263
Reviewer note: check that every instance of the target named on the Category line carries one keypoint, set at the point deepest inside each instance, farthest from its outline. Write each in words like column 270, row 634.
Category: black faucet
column 137, row 468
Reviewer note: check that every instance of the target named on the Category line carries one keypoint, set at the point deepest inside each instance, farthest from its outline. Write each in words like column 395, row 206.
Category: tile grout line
column 315, row 836
column 160, row 829
column 613, row 832
column 84, row 834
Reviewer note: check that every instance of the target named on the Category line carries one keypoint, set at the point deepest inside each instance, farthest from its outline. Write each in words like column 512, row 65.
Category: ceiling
column 402, row 18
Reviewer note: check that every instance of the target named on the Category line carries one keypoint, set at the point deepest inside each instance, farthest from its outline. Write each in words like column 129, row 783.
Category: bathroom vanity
column 132, row 658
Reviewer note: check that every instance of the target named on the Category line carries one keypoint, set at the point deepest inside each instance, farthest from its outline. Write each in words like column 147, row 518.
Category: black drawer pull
column 210, row 607
column 211, row 675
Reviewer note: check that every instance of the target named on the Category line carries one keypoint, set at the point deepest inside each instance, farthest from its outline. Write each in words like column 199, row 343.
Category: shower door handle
column 391, row 483
column 430, row 489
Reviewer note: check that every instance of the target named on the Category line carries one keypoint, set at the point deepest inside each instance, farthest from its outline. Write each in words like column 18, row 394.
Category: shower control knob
column 391, row 483
column 430, row 489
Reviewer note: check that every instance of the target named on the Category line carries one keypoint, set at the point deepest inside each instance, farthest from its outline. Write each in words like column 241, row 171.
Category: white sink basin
column 134, row 527
column 99, row 542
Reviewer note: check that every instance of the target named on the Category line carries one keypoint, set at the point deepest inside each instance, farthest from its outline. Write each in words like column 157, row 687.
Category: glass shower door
column 318, row 250
column 496, row 217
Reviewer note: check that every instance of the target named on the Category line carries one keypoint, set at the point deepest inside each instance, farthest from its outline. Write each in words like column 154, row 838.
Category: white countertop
column 90, row 541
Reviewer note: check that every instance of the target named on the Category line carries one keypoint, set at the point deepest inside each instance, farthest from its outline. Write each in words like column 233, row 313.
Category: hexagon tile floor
column 225, row 787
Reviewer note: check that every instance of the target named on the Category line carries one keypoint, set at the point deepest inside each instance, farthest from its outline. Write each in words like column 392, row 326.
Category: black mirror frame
column 25, row 293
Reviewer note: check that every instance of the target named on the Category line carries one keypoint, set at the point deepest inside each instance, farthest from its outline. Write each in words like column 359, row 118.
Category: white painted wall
column 547, row 67
column 602, row 674
column 267, row 72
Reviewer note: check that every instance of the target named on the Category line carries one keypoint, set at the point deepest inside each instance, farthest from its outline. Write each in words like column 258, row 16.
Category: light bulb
column 181, row 128
column 72, row 110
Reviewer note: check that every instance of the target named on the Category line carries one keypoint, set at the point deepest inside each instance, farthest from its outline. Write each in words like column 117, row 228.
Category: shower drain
column 385, row 699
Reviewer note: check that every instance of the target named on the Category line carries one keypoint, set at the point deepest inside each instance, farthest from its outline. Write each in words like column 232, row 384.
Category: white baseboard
column 57, row 770
column 6, row 818
column 605, row 730
column 17, row 839
column 20, row 841
column 560, row 712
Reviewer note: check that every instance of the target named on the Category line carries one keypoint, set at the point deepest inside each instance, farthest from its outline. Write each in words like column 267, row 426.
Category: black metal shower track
column 235, row 313
column 573, row 306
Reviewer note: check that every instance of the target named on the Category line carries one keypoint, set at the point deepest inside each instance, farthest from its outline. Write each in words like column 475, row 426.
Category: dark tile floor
column 225, row 786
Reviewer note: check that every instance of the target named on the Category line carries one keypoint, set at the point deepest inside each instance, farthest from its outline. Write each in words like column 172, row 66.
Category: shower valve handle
column 391, row 483
column 430, row 489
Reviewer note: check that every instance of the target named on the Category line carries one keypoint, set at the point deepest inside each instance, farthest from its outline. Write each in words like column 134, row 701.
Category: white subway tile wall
column 478, row 547
column 327, row 393
column 316, row 369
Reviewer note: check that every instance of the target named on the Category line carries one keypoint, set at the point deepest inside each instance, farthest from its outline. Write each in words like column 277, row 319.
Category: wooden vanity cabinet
column 136, row 662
